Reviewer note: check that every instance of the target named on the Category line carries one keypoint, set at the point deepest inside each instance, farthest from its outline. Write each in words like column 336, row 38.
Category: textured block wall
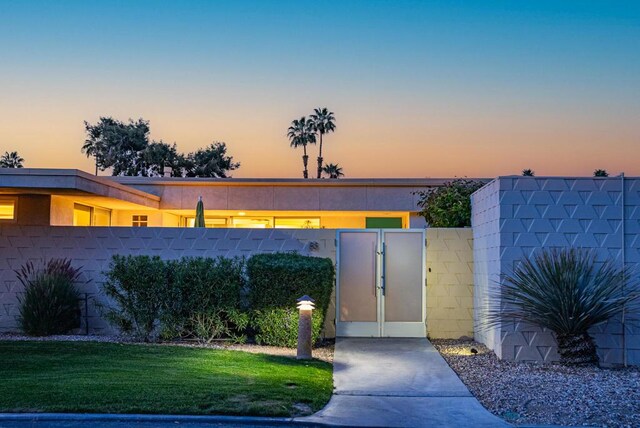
column 536, row 213
column 485, row 223
column 449, row 283
column 92, row 248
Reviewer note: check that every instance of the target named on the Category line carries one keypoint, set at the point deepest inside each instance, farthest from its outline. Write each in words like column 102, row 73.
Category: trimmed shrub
column 187, row 298
column 50, row 304
column 203, row 298
column 275, row 282
column 279, row 327
column 138, row 286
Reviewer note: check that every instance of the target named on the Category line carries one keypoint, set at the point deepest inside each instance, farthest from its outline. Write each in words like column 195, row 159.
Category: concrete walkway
column 398, row 383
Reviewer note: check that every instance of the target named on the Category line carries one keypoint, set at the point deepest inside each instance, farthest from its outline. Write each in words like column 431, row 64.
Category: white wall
column 449, row 283
column 514, row 217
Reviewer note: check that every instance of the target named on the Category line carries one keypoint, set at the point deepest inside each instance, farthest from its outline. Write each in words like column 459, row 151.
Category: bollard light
column 305, row 308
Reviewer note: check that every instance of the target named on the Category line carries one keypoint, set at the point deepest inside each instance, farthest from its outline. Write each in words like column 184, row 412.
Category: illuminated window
column 84, row 215
column 81, row 215
column 297, row 223
column 101, row 217
column 252, row 222
column 140, row 221
column 7, row 209
column 210, row 222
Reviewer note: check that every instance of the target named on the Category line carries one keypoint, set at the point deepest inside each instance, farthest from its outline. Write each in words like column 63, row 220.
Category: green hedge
column 206, row 299
column 190, row 297
column 275, row 282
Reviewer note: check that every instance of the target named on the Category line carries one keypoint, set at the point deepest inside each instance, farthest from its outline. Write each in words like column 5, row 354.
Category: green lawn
column 114, row 378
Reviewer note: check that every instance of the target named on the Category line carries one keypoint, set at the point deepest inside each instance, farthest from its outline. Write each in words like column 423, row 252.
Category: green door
column 384, row 223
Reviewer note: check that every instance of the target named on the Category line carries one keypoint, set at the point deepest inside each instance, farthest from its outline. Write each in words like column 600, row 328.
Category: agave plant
column 565, row 291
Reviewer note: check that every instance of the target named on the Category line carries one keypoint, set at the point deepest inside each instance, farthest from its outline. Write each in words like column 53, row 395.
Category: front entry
column 381, row 283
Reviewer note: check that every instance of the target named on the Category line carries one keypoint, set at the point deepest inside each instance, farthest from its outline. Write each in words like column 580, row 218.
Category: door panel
column 403, row 284
column 357, row 297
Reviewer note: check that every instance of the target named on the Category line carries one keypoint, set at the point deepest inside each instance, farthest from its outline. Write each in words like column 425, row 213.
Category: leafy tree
column 323, row 122
column 333, row 170
column 528, row 173
column 449, row 205
column 11, row 160
column 125, row 148
column 212, row 161
column 301, row 133
column 600, row 173
column 157, row 155
column 117, row 145
column 565, row 291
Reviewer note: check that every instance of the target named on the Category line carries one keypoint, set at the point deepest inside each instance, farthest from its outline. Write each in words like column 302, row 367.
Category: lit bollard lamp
column 305, row 306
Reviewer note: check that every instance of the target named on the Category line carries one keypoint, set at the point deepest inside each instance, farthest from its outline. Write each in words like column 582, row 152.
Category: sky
column 418, row 88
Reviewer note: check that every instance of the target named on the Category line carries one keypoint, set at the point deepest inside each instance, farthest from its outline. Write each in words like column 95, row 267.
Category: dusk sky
column 419, row 88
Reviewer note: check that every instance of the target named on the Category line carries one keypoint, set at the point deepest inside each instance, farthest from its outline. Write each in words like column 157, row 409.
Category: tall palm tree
column 333, row 170
column 11, row 160
column 300, row 133
column 323, row 122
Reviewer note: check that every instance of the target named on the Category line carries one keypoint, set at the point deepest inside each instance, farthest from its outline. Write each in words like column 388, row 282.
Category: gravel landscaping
column 524, row 393
column 324, row 352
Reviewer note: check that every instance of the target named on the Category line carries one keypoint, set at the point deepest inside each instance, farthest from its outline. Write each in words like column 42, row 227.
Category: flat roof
column 354, row 182
column 71, row 182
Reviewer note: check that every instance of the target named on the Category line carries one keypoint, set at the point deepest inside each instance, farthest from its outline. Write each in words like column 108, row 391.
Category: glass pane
column 215, row 222
column 81, row 215
column 358, row 276
column 101, row 217
column 403, row 277
column 252, row 222
column 297, row 223
column 7, row 208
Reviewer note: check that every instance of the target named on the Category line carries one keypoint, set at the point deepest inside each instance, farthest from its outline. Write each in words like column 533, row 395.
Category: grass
column 129, row 378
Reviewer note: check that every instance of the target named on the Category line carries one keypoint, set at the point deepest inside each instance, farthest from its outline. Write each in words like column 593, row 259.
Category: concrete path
column 398, row 383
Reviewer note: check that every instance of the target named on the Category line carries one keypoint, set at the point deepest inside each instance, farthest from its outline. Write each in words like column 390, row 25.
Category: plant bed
column 528, row 393
column 92, row 377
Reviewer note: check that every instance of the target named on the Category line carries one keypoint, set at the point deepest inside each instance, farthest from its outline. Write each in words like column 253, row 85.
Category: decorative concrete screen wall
column 514, row 217
column 449, row 283
column 92, row 248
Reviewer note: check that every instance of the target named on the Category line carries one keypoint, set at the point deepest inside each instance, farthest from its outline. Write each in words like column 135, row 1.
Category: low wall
column 92, row 247
column 449, row 283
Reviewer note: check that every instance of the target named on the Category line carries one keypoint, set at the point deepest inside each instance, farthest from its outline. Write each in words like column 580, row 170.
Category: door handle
column 383, row 281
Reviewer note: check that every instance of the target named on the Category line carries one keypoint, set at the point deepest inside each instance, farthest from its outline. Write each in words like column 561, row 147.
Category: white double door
column 381, row 283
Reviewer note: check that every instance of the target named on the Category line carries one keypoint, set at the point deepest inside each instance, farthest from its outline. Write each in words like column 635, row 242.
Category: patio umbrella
column 199, row 221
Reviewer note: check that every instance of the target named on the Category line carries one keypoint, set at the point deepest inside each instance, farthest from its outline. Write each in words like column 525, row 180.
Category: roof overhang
column 71, row 182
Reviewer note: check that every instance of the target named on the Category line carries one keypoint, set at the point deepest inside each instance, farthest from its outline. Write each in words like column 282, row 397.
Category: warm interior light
column 242, row 213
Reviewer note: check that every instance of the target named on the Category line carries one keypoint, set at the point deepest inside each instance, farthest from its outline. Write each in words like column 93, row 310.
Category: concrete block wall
column 514, row 217
column 92, row 247
column 449, row 283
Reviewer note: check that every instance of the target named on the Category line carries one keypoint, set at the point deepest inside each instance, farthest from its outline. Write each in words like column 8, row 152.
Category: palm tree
column 600, row 173
column 11, row 160
column 333, row 170
column 528, row 173
column 567, row 292
column 323, row 122
column 300, row 133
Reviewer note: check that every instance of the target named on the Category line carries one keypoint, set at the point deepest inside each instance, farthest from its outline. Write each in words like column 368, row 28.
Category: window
column 81, row 215
column 7, row 209
column 297, row 223
column 84, row 215
column 140, row 221
column 252, row 222
column 101, row 217
column 210, row 222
